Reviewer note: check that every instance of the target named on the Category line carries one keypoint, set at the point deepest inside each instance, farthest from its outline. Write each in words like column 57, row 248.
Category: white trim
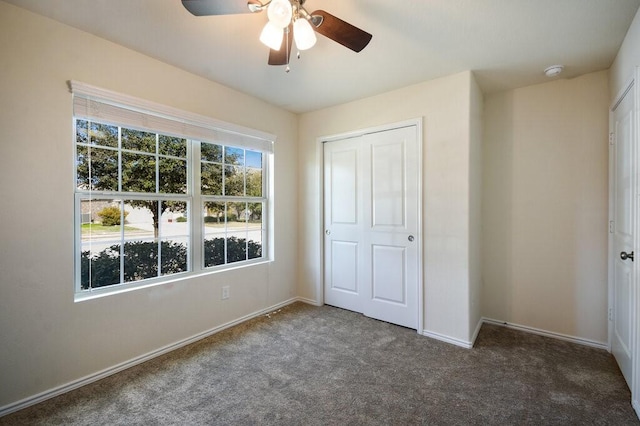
column 414, row 122
column 552, row 334
column 526, row 329
column 309, row 301
column 104, row 106
column 419, row 132
column 319, row 290
column 87, row 90
column 447, row 339
column 621, row 94
column 635, row 357
column 374, row 129
column 115, row 289
column 59, row 390
column 610, row 217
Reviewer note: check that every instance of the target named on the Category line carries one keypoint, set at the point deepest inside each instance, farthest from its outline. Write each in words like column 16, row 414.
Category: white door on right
column 391, row 236
column 622, row 250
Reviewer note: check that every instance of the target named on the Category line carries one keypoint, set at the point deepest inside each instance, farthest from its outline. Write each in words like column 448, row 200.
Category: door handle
column 624, row 255
column 410, row 238
column 328, row 232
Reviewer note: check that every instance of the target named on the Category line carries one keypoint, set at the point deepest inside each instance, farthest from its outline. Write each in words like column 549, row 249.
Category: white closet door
column 372, row 225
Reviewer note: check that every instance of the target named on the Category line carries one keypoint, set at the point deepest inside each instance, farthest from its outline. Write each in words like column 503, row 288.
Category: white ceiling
column 507, row 43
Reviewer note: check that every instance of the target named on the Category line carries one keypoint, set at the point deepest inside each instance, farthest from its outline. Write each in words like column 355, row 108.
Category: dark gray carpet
column 306, row 365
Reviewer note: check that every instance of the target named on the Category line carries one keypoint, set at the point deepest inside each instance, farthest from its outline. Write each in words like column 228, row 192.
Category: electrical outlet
column 225, row 292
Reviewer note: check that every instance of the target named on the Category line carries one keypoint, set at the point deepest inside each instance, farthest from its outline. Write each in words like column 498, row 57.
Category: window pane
column 214, row 251
column 140, row 260
column 254, row 230
column 211, row 179
column 233, row 181
column 173, row 176
column 175, row 213
column 100, row 236
column 82, row 168
column 138, row 172
column 214, row 213
column 140, row 240
column 234, row 156
column 254, row 159
column 254, row 182
column 137, row 140
column 96, row 169
column 103, row 134
column 141, row 220
column 175, row 147
column 236, row 249
column 100, row 268
column 236, row 232
column 214, row 233
column 175, row 237
column 82, row 131
column 211, row 152
column 236, row 215
column 174, row 257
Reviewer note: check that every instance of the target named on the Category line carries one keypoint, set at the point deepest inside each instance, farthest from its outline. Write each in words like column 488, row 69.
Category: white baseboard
column 560, row 336
column 308, row 301
column 636, row 406
column 454, row 340
column 43, row 396
column 447, row 339
column 532, row 330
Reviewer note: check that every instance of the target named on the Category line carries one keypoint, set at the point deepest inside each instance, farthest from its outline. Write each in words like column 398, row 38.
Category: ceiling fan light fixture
column 303, row 34
column 272, row 36
column 280, row 13
column 287, row 20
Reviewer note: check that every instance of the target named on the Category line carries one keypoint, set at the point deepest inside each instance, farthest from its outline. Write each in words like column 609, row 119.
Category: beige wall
column 545, row 206
column 47, row 339
column 444, row 105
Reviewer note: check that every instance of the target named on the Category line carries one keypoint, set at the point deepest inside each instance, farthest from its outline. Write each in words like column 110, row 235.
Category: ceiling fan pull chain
column 287, row 69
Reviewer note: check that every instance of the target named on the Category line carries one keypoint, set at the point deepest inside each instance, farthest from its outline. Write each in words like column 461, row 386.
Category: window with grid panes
column 152, row 205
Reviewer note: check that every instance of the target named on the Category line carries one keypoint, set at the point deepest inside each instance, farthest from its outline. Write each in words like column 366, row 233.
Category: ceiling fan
column 288, row 21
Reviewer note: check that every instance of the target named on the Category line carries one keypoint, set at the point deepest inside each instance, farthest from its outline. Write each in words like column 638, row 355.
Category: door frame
column 631, row 85
column 635, row 386
column 417, row 122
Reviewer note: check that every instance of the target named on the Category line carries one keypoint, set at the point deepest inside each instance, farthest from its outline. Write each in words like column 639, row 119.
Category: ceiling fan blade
column 281, row 57
column 216, row 7
column 342, row 32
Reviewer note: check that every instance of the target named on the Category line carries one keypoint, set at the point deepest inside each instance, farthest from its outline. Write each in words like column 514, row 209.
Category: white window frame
column 198, row 203
column 100, row 105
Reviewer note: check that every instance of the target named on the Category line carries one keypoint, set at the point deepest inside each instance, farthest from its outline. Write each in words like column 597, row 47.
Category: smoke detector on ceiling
column 553, row 70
